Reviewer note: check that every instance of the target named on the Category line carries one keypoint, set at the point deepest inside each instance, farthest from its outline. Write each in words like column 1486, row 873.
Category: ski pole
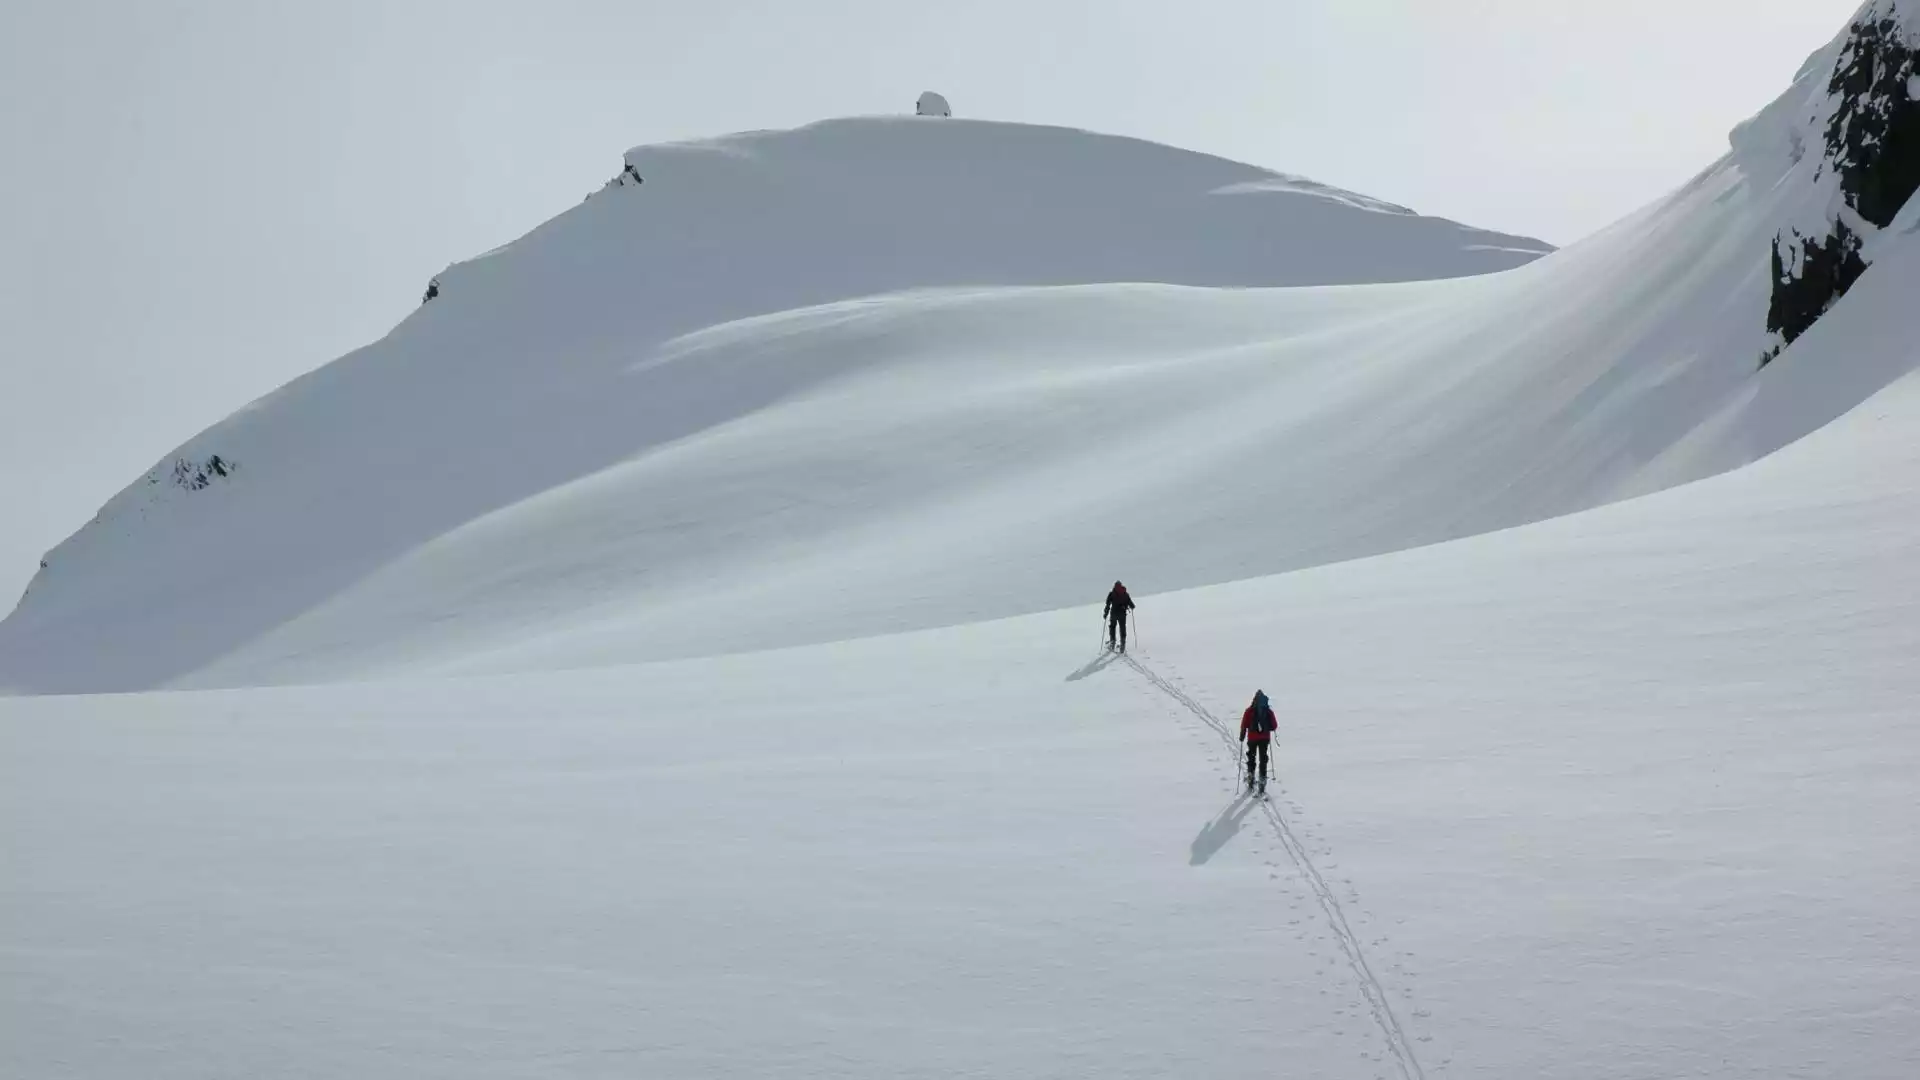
column 1135, row 619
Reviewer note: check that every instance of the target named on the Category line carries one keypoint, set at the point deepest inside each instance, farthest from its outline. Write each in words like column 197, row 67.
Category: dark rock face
column 1873, row 149
column 1828, row 268
column 627, row 177
column 197, row 476
column 1874, row 139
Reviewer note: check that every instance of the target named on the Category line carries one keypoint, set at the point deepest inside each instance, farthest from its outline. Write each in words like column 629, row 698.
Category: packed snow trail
column 1378, row 1003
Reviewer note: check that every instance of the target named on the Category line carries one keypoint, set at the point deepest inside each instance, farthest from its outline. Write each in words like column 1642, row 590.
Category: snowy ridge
column 727, row 228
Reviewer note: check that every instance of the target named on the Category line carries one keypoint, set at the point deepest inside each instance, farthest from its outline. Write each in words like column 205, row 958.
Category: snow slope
column 1627, row 793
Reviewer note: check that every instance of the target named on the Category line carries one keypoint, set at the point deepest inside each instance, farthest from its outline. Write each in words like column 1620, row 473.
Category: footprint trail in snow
column 1378, row 1003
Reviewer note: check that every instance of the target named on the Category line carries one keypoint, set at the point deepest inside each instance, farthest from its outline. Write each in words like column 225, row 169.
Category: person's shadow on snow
column 1095, row 665
column 1216, row 833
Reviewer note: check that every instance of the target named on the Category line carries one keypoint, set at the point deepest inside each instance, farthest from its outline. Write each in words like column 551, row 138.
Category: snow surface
column 1622, row 794
column 722, row 552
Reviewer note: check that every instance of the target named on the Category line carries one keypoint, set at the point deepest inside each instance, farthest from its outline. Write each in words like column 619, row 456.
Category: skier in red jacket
column 1118, row 604
column 1256, row 730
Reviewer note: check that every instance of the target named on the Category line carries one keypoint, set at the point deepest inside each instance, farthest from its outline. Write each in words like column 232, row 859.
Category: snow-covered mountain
column 902, row 373
column 698, row 314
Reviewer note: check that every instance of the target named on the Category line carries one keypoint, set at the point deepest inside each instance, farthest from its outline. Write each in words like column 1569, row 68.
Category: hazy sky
column 203, row 199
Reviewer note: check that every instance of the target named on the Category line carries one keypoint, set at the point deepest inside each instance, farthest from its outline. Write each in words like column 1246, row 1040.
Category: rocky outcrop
column 197, row 475
column 1870, row 159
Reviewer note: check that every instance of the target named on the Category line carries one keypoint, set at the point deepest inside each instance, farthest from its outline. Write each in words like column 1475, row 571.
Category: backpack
column 1263, row 720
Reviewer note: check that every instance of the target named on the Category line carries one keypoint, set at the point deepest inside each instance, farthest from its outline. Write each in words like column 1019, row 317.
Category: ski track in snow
column 1378, row 1002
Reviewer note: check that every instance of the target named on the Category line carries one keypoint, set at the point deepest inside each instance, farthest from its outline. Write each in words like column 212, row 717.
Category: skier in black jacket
column 1118, row 604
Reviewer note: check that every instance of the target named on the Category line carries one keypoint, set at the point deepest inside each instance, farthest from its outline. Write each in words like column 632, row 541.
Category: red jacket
column 1250, row 733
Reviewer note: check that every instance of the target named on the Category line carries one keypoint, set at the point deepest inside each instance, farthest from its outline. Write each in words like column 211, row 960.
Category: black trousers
column 1257, row 751
column 1117, row 628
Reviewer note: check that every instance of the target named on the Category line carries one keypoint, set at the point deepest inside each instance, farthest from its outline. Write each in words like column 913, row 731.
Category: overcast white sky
column 203, row 199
